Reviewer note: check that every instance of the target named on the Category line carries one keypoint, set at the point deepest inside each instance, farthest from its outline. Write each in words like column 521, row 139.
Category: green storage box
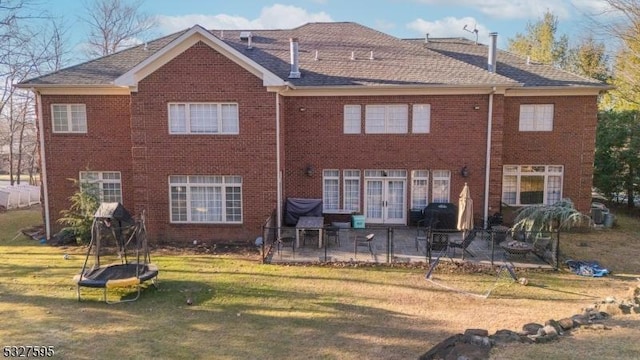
column 357, row 221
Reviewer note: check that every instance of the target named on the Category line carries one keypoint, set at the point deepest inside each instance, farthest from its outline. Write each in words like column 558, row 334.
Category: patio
column 395, row 245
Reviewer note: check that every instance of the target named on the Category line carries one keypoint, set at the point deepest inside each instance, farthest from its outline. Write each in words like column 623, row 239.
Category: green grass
column 246, row 310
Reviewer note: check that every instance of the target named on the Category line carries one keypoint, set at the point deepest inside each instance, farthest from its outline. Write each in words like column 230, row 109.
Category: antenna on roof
column 474, row 31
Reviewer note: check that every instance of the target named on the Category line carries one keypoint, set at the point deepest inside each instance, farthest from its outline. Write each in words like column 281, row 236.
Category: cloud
column 509, row 9
column 271, row 17
column 449, row 27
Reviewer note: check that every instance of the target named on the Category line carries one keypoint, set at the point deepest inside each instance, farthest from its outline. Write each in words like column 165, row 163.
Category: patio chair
column 464, row 244
column 422, row 234
column 331, row 232
column 363, row 241
column 286, row 241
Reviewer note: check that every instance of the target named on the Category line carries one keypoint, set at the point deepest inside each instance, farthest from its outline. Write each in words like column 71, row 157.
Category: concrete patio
column 393, row 245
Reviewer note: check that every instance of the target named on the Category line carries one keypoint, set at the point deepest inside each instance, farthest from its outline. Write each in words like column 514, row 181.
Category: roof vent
column 353, row 56
column 245, row 35
column 371, row 56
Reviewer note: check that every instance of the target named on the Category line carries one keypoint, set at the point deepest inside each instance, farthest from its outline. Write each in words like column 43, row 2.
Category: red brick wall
column 571, row 143
column 105, row 147
column 201, row 74
column 457, row 138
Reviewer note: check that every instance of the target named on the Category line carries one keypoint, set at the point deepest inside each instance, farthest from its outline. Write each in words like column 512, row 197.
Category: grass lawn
column 246, row 310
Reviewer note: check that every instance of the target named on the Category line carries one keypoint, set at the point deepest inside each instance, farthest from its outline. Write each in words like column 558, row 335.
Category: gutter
column 487, row 171
column 43, row 166
column 278, row 173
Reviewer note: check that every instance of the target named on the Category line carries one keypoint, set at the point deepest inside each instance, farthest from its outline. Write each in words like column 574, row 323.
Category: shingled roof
column 343, row 54
column 512, row 66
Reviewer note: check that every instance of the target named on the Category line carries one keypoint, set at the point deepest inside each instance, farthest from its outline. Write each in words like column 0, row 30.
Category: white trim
column 43, row 163
column 182, row 43
column 79, row 90
column 487, row 163
column 69, row 119
column 219, row 118
column 383, row 90
column 556, row 91
column 278, row 171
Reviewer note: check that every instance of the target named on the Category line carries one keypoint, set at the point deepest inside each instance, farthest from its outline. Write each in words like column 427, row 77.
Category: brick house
column 211, row 131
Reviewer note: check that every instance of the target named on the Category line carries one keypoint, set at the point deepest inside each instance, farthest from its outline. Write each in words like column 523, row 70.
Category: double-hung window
column 421, row 120
column 331, row 190
column 386, row 119
column 536, row 117
column 203, row 118
column 352, row 190
column 352, row 116
column 532, row 184
column 69, row 118
column 419, row 189
column 105, row 185
column 205, row 199
column 441, row 186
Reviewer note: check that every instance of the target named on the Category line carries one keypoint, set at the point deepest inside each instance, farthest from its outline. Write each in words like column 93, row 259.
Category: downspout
column 43, row 166
column 278, row 173
column 487, row 171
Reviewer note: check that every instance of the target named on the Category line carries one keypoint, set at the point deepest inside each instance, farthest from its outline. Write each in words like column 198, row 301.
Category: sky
column 400, row 18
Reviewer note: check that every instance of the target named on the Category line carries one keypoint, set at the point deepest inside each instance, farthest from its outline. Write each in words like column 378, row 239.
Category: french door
column 385, row 200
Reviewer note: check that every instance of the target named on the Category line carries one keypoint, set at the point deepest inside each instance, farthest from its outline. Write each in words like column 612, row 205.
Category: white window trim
column 100, row 181
column 352, row 122
column 346, row 177
column 327, row 174
column 516, row 170
column 387, row 120
column 423, row 126
column 225, row 181
column 68, row 119
column 188, row 118
column 538, row 120
column 415, row 178
column 435, row 177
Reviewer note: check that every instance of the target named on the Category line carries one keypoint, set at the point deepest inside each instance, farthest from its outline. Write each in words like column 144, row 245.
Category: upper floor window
column 536, row 117
column 203, row 118
column 69, row 118
column 532, row 184
column 386, row 119
column 352, row 119
column 205, row 199
column 421, row 122
column 106, row 185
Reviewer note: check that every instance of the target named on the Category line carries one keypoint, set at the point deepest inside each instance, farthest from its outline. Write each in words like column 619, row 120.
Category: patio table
column 310, row 223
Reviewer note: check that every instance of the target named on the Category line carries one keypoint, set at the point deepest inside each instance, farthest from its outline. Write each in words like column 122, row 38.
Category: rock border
column 477, row 343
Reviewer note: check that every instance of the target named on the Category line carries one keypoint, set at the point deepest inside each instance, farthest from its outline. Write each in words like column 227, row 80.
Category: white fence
column 17, row 196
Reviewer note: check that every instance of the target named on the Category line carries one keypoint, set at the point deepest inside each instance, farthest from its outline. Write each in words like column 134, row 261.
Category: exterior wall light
column 464, row 171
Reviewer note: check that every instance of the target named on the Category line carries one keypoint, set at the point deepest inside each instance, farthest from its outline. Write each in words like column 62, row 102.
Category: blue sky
column 400, row 18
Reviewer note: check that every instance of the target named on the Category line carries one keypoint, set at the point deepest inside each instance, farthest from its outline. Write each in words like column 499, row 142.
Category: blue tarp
column 587, row 268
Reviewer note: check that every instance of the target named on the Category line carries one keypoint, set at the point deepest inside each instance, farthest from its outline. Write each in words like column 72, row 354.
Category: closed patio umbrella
column 465, row 211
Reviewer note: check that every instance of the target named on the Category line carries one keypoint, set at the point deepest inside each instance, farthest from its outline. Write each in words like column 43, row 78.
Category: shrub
column 79, row 217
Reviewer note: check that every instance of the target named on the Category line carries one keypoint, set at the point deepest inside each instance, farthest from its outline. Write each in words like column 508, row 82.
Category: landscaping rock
column 503, row 337
column 566, row 323
column 556, row 326
column 531, row 328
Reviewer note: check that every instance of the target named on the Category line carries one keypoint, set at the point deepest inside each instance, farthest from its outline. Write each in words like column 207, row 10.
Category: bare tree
column 30, row 46
column 114, row 25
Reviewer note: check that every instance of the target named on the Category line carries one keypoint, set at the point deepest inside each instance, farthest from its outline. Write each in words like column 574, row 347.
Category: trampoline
column 118, row 254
